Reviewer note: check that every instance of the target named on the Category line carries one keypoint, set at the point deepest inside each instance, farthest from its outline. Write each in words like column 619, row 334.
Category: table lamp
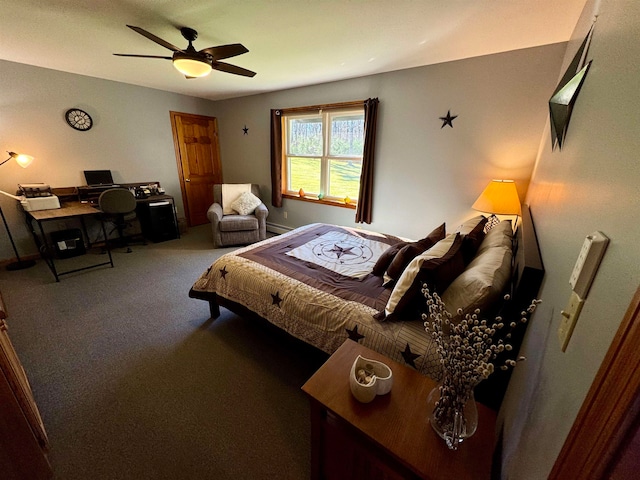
column 24, row 161
column 500, row 197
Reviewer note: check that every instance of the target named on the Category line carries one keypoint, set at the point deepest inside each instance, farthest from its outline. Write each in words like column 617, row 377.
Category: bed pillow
column 409, row 252
column 246, row 203
column 437, row 267
column 385, row 260
column 230, row 192
column 472, row 232
column 481, row 284
column 387, row 257
column 500, row 235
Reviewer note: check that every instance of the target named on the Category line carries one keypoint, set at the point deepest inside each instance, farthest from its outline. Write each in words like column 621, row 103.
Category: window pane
column 305, row 136
column 304, row 173
column 347, row 135
column 344, row 178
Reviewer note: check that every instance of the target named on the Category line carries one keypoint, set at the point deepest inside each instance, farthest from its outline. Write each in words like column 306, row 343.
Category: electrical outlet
column 285, row 215
column 569, row 318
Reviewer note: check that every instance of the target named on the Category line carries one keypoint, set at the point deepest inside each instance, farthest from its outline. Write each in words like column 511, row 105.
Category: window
column 322, row 155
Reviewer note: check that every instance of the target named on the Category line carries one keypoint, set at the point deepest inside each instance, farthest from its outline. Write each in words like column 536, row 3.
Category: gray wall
column 425, row 174
column 592, row 184
column 131, row 135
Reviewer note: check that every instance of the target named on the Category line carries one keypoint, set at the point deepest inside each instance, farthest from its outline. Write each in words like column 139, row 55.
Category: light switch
column 569, row 319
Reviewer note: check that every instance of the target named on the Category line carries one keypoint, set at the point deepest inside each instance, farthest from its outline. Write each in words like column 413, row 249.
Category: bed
column 317, row 283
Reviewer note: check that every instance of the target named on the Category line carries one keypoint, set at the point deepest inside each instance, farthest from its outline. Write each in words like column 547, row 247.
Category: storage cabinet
column 23, row 440
column 389, row 438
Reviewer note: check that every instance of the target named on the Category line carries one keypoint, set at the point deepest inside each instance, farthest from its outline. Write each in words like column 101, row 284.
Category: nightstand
column 389, row 438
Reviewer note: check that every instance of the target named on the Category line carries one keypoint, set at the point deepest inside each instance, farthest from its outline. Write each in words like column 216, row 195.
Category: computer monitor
column 98, row 177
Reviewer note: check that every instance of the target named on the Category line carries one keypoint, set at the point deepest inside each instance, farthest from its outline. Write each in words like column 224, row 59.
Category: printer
column 36, row 196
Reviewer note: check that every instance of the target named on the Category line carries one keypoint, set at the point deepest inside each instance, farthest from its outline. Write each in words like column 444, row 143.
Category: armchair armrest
column 214, row 214
column 261, row 212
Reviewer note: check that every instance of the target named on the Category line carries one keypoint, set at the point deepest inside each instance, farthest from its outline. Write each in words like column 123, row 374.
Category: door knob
column 187, row 179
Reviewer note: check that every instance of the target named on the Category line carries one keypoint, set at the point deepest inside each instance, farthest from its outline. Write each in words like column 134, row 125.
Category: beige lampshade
column 500, row 197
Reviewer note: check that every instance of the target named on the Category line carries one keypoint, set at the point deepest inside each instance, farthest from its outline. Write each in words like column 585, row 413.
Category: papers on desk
column 157, row 204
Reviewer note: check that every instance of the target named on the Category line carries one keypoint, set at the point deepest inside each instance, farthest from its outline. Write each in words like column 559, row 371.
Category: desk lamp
column 500, row 197
column 24, row 161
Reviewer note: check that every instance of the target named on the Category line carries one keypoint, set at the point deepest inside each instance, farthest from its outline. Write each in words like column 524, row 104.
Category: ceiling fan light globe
column 191, row 67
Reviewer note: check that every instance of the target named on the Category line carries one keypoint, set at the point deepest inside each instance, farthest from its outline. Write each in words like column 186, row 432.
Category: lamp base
column 20, row 265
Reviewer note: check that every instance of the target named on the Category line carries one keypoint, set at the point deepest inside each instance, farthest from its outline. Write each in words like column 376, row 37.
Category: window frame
column 326, row 113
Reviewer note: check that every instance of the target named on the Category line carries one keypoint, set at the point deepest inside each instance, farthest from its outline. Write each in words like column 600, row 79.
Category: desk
column 67, row 211
column 390, row 437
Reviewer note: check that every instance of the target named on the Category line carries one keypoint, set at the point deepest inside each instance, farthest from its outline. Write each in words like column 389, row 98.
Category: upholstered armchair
column 235, row 229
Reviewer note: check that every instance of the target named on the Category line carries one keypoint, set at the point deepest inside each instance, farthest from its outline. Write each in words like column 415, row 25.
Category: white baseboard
column 275, row 228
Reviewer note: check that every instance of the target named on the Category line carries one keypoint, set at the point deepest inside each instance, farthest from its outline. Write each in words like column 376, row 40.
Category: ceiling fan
column 191, row 62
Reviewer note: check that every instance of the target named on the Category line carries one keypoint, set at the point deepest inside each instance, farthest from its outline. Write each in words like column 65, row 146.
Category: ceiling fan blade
column 141, row 56
column 153, row 38
column 226, row 67
column 225, row 51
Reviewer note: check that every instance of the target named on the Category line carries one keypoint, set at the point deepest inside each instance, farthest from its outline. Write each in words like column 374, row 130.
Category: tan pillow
column 481, row 283
column 500, row 235
column 230, row 192
column 437, row 267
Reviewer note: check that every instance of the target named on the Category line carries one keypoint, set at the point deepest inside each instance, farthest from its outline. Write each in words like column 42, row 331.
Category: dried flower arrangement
column 467, row 352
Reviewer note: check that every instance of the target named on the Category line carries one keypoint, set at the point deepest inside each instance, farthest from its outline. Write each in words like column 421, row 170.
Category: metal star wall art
column 564, row 97
column 448, row 119
column 245, row 130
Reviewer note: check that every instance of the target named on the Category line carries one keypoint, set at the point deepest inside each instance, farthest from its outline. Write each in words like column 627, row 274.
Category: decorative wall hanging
column 245, row 130
column 565, row 95
column 78, row 119
column 448, row 119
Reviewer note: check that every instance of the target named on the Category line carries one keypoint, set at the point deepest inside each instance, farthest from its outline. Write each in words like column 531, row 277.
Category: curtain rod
column 329, row 106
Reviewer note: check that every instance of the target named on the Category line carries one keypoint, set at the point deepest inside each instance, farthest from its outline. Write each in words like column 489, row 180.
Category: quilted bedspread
column 315, row 283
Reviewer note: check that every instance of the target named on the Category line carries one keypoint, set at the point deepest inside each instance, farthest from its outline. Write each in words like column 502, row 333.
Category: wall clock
column 78, row 119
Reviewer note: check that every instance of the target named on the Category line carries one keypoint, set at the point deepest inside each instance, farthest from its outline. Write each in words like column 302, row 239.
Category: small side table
column 390, row 437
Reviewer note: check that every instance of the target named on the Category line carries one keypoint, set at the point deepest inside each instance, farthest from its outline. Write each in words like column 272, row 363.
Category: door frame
column 610, row 410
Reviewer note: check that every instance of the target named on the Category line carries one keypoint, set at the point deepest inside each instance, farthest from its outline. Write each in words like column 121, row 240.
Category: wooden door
column 601, row 442
column 195, row 138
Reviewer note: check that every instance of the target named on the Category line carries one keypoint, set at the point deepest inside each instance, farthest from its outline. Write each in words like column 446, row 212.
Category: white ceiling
column 291, row 43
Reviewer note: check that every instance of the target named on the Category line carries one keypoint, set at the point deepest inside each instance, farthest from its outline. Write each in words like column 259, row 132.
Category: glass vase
column 453, row 415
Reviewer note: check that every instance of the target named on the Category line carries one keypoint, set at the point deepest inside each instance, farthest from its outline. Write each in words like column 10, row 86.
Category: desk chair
column 118, row 206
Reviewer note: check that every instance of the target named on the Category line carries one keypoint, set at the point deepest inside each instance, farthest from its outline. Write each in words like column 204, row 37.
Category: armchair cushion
column 246, row 203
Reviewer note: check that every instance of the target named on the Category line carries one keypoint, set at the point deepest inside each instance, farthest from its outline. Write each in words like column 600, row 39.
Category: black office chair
column 118, row 206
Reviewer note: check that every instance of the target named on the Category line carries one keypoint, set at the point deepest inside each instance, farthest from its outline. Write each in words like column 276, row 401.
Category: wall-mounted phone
column 581, row 279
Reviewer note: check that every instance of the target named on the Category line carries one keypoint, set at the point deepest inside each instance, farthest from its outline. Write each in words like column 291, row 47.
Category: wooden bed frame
column 527, row 277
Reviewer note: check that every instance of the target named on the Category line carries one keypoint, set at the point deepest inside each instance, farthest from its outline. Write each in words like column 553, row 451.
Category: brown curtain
column 276, row 158
column 365, row 197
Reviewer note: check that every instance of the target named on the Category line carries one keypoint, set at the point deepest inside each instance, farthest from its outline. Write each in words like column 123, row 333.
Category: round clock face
column 78, row 119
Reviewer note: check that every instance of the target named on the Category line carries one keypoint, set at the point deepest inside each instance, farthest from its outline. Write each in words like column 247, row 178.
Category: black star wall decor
column 245, row 130
column 448, row 119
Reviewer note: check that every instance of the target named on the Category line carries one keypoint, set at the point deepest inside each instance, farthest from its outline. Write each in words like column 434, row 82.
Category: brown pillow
column 390, row 253
column 387, row 257
column 402, row 259
column 437, row 267
column 472, row 232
